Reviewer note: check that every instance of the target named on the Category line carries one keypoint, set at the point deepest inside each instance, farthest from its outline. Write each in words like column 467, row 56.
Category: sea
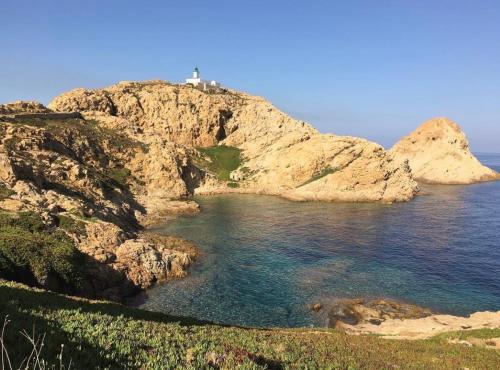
column 264, row 260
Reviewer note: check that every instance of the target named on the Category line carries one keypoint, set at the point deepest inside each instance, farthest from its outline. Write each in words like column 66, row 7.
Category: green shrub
column 5, row 192
column 233, row 185
column 28, row 221
column 30, row 253
column 72, row 225
column 120, row 175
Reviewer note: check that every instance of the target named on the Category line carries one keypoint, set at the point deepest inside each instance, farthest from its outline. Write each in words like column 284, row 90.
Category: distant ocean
column 491, row 160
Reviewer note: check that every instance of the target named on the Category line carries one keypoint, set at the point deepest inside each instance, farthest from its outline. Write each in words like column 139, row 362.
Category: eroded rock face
column 288, row 157
column 146, row 263
column 282, row 156
column 86, row 181
column 23, row 107
column 438, row 152
column 180, row 114
column 329, row 168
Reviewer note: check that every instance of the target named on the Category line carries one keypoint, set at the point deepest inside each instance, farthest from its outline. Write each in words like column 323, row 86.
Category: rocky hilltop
column 278, row 155
column 438, row 152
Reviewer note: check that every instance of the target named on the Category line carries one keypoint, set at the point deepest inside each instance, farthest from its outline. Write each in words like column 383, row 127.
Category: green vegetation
column 5, row 192
column 80, row 215
column 91, row 129
column 30, row 253
column 233, row 185
column 221, row 160
column 72, row 225
column 318, row 175
column 106, row 335
column 120, row 175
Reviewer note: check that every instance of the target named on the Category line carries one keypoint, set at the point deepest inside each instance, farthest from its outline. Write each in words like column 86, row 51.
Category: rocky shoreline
column 82, row 179
column 427, row 327
column 395, row 319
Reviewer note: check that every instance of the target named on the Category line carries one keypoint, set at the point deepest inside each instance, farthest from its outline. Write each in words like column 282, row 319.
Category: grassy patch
column 79, row 214
column 106, row 335
column 318, row 175
column 32, row 254
column 233, row 185
column 220, row 160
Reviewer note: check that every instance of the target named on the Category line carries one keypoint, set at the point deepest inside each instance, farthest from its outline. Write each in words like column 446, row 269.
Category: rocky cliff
column 279, row 155
column 438, row 152
column 65, row 186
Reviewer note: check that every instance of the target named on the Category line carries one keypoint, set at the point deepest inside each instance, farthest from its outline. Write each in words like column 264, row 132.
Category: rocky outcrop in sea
column 438, row 152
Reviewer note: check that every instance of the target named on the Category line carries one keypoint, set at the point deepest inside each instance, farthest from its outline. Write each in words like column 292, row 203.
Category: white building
column 197, row 81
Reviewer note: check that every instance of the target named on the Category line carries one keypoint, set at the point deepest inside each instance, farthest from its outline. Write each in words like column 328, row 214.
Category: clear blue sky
column 374, row 68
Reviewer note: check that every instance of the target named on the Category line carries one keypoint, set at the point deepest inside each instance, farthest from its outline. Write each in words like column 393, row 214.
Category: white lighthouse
column 197, row 81
column 196, row 73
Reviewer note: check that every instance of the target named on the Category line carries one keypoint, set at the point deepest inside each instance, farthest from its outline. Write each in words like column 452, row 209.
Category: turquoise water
column 264, row 259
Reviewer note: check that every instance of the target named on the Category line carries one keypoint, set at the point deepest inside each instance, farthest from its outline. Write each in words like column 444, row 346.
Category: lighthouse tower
column 198, row 82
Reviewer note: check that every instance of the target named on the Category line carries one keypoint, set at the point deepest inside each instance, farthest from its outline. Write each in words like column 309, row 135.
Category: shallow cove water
column 264, row 259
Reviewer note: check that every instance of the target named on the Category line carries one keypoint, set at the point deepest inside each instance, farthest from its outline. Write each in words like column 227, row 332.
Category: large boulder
column 438, row 152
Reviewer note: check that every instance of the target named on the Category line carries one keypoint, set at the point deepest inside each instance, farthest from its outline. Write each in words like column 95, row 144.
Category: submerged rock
column 438, row 152
column 316, row 307
column 373, row 311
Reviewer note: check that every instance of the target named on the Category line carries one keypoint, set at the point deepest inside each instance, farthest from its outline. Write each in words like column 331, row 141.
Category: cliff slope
column 69, row 217
column 438, row 152
column 279, row 155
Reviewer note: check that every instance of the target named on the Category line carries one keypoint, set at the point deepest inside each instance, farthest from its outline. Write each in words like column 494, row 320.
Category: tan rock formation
column 328, row 168
column 356, row 311
column 180, row 114
column 426, row 327
column 145, row 263
column 23, row 107
column 75, row 176
column 282, row 156
column 438, row 152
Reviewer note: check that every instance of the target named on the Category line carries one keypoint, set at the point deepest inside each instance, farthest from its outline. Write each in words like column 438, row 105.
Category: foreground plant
column 34, row 359
column 105, row 335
